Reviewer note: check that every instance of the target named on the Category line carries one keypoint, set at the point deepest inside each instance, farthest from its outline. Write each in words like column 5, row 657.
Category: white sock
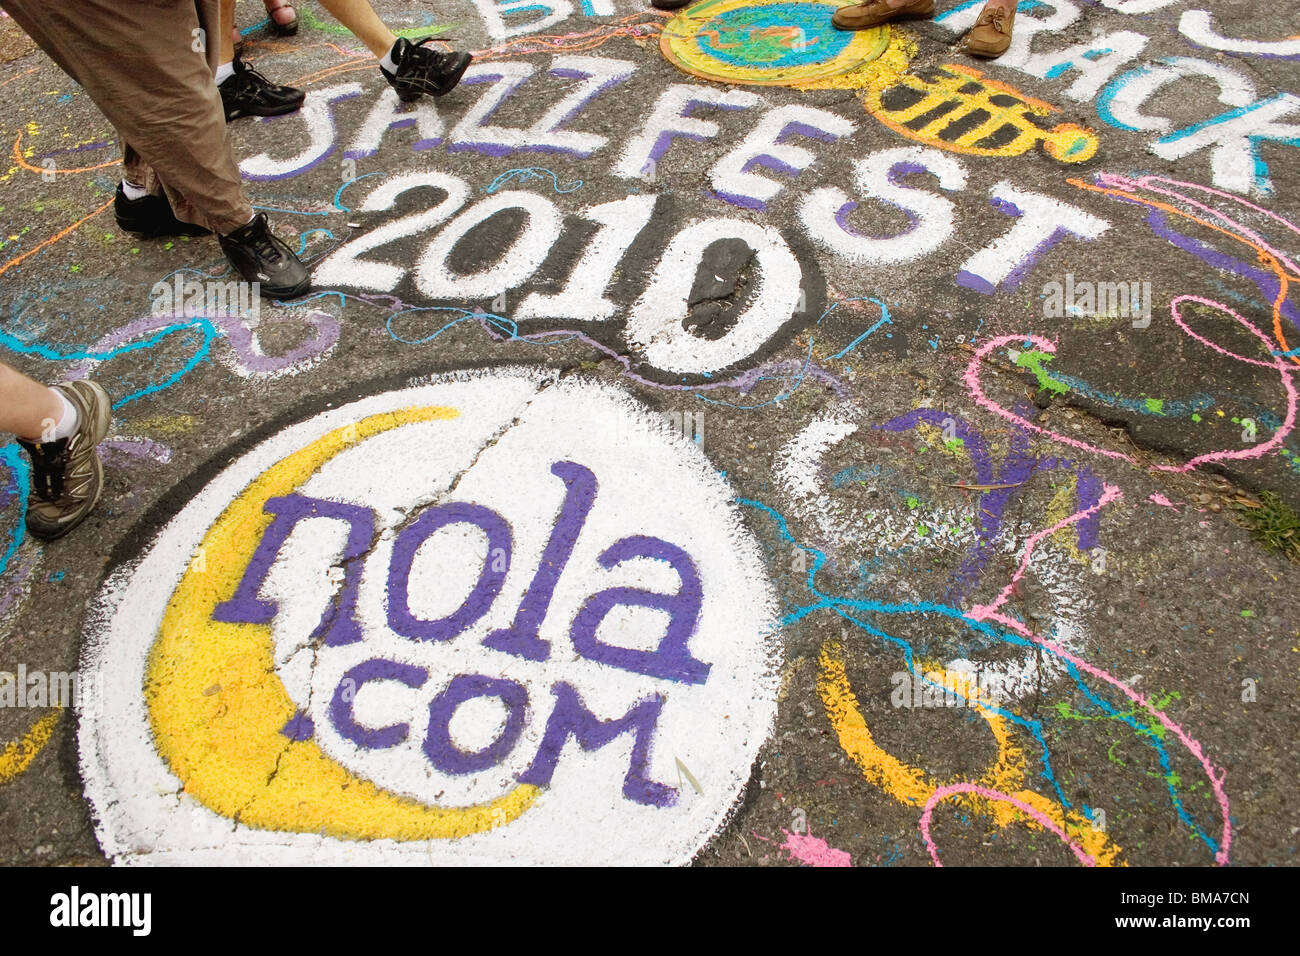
column 224, row 72
column 67, row 424
column 387, row 62
column 132, row 191
column 250, row 219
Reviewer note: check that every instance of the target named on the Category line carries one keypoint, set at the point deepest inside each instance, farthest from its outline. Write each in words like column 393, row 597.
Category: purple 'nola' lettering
column 485, row 590
column 571, row 717
column 438, row 746
column 672, row 659
column 521, row 638
column 372, row 738
column 338, row 624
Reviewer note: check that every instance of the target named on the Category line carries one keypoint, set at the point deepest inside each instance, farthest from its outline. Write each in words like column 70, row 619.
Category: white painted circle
column 512, row 427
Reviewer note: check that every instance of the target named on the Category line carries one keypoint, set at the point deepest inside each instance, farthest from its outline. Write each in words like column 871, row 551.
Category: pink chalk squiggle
column 972, row 379
column 942, row 793
column 809, row 850
column 989, row 612
column 981, row 611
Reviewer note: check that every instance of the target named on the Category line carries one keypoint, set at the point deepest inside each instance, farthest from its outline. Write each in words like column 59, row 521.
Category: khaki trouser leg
column 148, row 65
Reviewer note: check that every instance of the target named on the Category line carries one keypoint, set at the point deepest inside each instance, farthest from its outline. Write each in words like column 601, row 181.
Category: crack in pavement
column 316, row 641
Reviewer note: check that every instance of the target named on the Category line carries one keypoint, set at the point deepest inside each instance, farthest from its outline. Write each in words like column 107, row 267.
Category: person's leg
column 28, row 409
column 360, row 18
column 410, row 68
column 141, row 205
column 58, row 427
column 284, row 19
column 244, row 91
column 144, row 67
column 149, row 70
column 227, row 33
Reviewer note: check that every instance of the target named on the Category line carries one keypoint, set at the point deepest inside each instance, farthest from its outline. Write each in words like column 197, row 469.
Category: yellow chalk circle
column 767, row 44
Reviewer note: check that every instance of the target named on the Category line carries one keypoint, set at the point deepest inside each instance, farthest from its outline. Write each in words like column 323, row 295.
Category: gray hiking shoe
column 67, row 477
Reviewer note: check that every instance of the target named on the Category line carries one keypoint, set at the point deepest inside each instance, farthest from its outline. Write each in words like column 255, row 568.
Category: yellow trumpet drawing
column 958, row 108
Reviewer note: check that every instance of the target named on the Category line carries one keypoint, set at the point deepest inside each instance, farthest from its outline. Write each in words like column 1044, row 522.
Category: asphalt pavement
column 711, row 438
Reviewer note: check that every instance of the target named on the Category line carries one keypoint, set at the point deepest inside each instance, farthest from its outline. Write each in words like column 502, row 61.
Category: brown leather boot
column 991, row 34
column 873, row 13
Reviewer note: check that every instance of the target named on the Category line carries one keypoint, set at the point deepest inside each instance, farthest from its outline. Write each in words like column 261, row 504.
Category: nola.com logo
column 76, row 909
column 1102, row 300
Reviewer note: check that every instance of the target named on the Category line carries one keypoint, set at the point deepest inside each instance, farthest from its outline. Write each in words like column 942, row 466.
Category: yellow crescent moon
column 217, row 707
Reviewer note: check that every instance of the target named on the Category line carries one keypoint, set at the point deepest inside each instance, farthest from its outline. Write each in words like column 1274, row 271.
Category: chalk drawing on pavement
column 739, row 41
column 481, row 619
column 956, row 107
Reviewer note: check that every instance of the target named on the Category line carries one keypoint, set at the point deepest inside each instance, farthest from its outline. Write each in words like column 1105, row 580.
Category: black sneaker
column 151, row 216
column 249, row 93
column 421, row 70
column 260, row 257
column 670, row 4
column 67, row 477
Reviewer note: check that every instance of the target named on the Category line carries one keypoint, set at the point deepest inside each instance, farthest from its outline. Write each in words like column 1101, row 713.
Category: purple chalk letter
column 672, row 659
column 338, row 624
column 438, row 746
column 372, row 738
column 485, row 591
column 571, row 716
column 520, row 638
